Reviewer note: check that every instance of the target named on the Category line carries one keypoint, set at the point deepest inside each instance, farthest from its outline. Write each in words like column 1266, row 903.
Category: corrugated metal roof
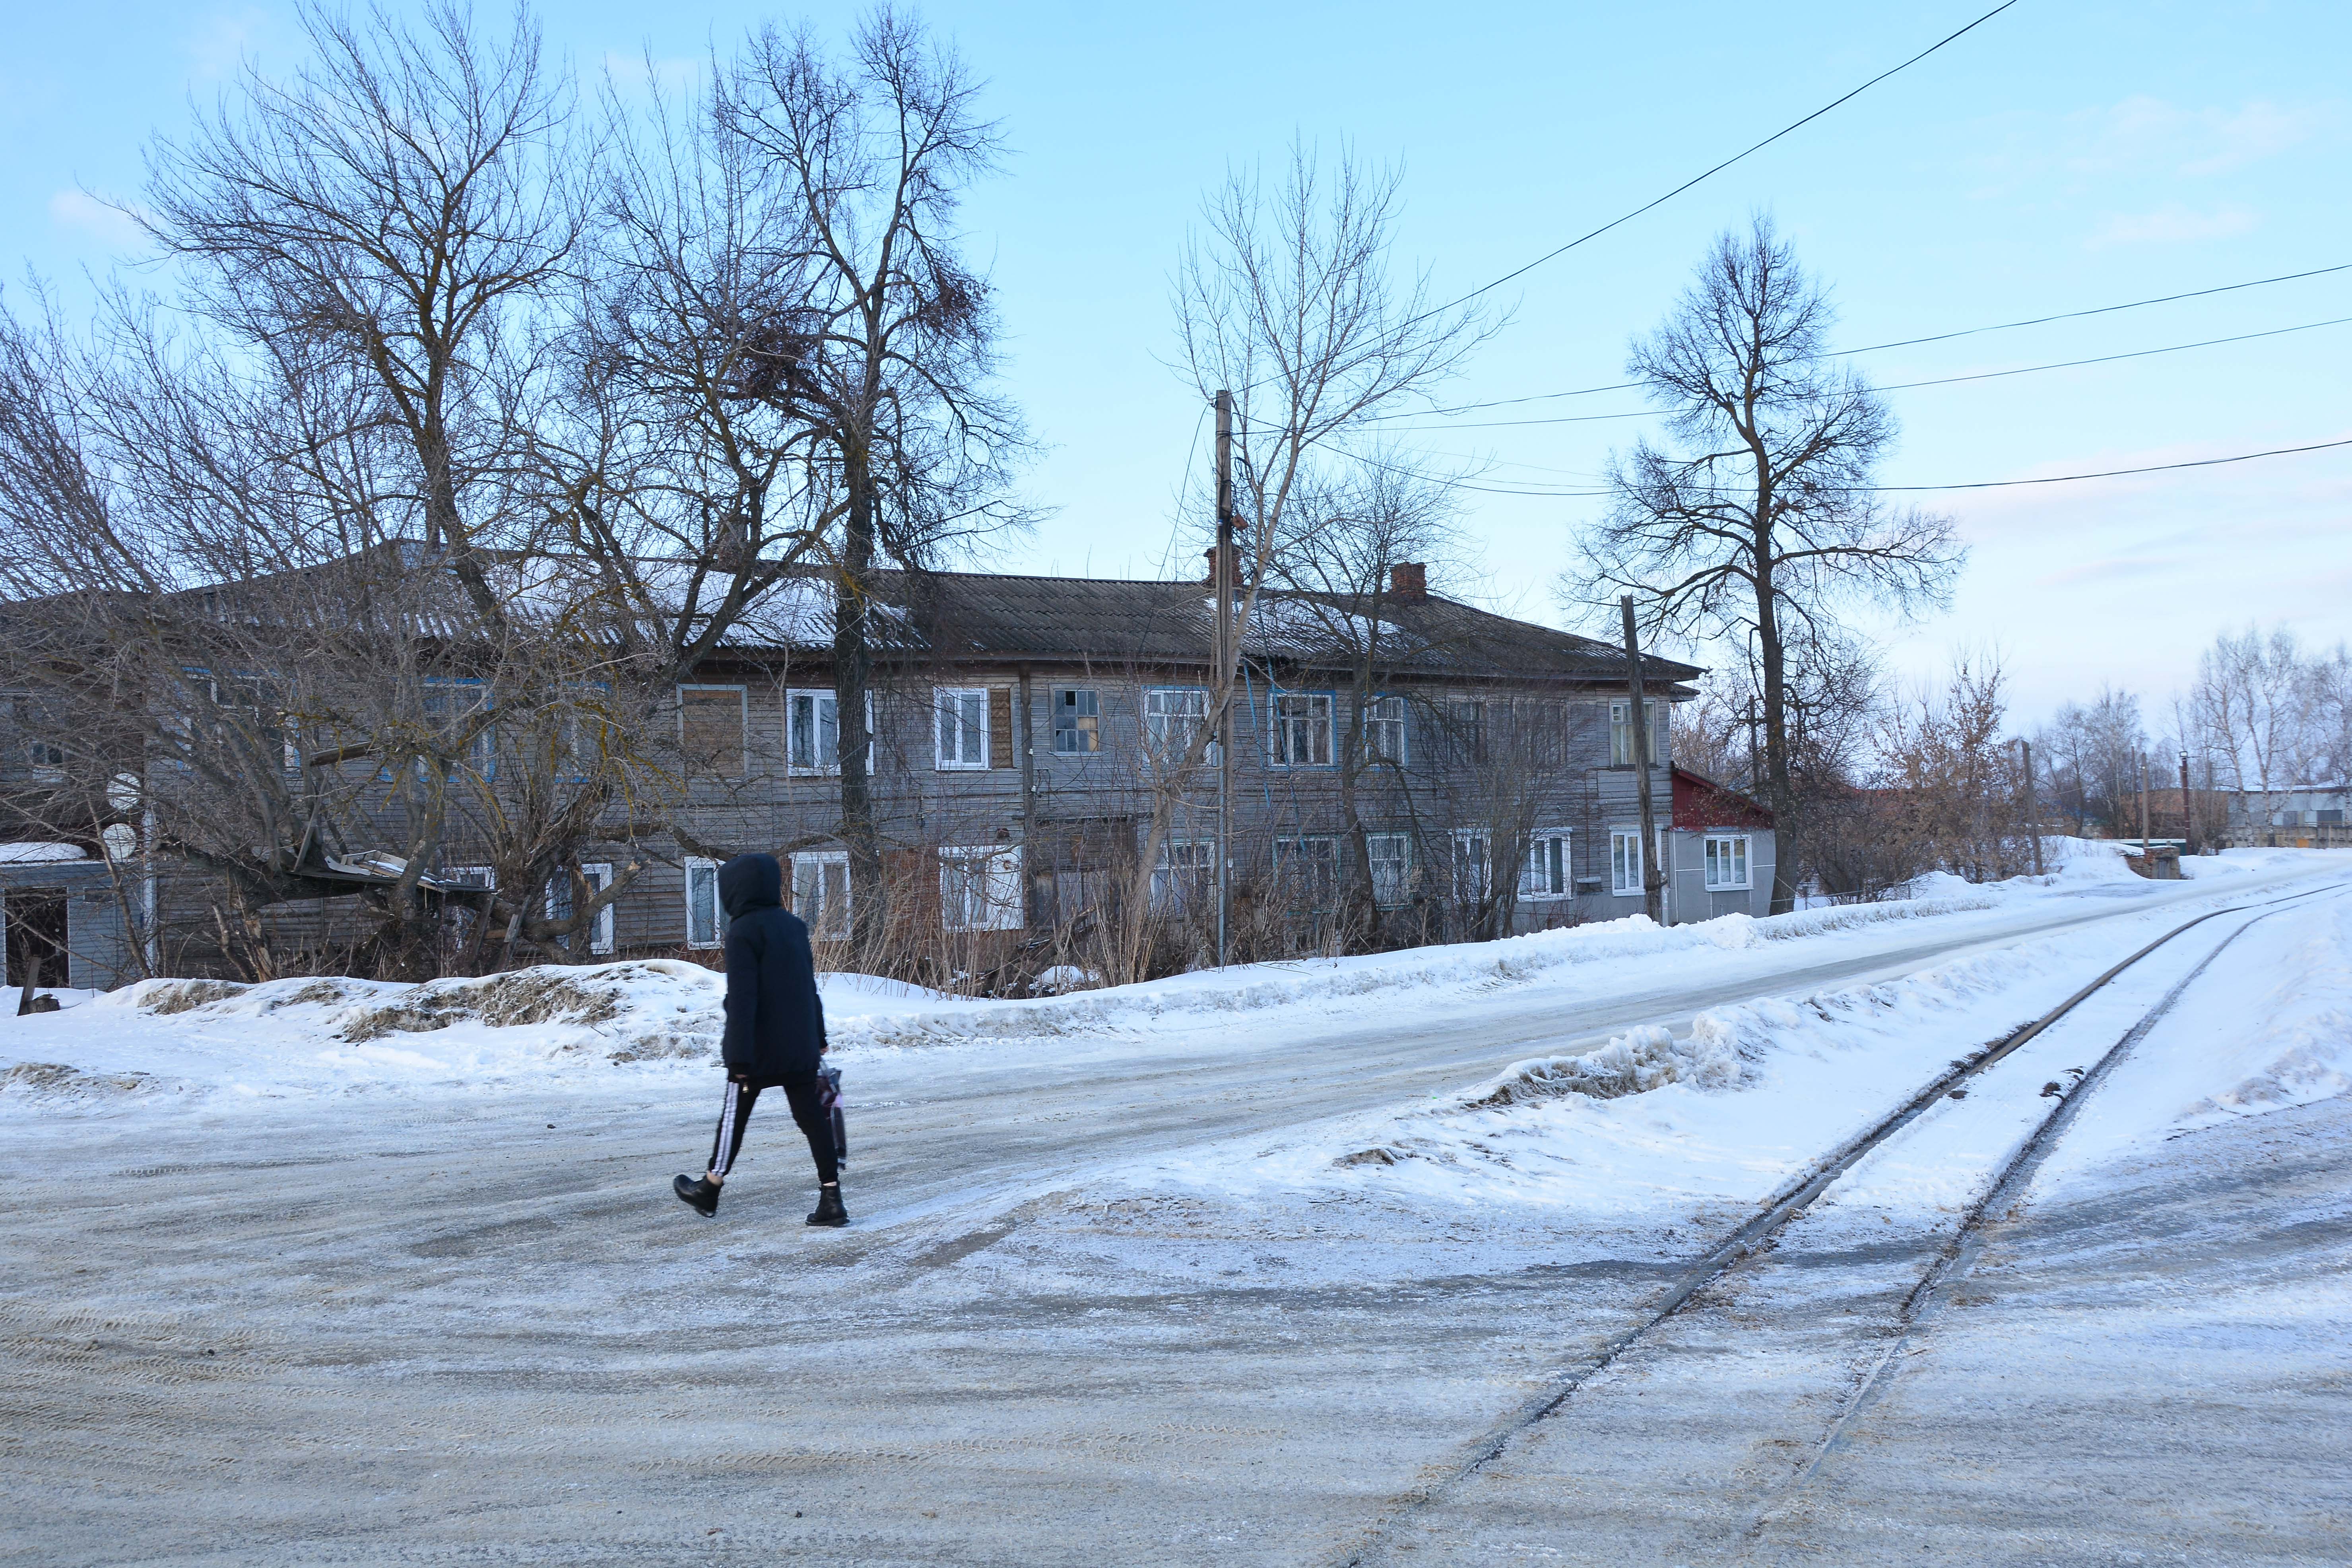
column 996, row 617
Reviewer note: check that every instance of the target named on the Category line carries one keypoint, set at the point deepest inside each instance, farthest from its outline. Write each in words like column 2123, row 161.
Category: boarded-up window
column 710, row 729
column 1000, row 726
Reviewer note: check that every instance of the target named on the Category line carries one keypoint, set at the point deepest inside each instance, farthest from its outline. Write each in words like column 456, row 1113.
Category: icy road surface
column 1216, row 1273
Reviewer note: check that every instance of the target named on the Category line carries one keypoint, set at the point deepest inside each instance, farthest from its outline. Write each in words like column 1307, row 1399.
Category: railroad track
column 1999, row 1196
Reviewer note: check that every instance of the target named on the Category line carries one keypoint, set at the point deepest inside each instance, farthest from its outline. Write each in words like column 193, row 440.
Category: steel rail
column 2001, row 1199
column 1782, row 1207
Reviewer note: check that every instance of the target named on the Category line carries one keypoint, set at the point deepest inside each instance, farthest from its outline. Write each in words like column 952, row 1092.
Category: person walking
column 775, row 1033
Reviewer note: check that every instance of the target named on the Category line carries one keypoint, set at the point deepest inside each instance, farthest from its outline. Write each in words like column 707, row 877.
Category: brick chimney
column 1209, row 572
column 1409, row 582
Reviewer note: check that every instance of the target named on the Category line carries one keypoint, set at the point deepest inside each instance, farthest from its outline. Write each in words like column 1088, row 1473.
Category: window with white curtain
column 980, row 888
column 963, row 712
column 1726, row 860
column 1548, row 873
column 1625, row 861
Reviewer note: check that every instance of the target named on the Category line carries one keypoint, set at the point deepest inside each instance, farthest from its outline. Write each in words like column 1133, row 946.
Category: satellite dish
column 122, row 791
column 121, row 840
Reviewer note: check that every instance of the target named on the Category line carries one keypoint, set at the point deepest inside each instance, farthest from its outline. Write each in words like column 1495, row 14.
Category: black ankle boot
column 829, row 1207
column 699, row 1191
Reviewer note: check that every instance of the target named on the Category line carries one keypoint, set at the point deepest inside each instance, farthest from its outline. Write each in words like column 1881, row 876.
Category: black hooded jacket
column 775, row 1024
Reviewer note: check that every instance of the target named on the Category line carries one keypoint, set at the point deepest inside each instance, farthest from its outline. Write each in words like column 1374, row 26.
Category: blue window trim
column 1274, row 695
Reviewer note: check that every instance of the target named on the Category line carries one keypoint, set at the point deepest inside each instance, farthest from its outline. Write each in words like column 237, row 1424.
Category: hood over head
column 750, row 882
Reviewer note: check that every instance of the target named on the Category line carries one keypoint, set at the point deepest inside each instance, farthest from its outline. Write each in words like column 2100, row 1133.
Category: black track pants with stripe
column 806, row 1095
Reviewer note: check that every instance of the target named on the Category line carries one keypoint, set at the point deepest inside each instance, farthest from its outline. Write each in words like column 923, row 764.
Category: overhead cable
column 1901, row 342
column 1894, row 386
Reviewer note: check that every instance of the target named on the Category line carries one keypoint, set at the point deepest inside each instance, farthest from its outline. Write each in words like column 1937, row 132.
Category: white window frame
column 1183, row 873
column 1718, row 847
column 829, row 925
column 959, row 701
column 599, row 874
column 1474, row 878
column 1384, row 716
column 1172, row 716
column 1550, row 859
column 816, row 695
column 1304, row 857
column 1621, row 733
column 1625, row 879
column 997, row 880
column 706, row 873
column 742, row 718
column 1400, row 893
column 1093, row 706
column 1317, row 723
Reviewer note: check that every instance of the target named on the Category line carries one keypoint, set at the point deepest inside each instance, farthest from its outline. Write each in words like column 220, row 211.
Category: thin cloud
column 220, row 41
column 2172, row 223
column 84, row 213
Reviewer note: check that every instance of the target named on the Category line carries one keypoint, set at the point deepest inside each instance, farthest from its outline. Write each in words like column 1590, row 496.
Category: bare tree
column 1343, row 538
column 1288, row 300
column 1762, row 520
column 885, row 347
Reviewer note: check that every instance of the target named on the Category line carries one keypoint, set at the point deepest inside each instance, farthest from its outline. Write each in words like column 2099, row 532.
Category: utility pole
column 1653, row 876
column 2188, row 818
column 2032, row 813
column 1221, row 575
column 2143, row 806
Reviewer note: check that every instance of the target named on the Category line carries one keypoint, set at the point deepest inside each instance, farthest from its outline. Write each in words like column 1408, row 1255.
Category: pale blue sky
column 2063, row 156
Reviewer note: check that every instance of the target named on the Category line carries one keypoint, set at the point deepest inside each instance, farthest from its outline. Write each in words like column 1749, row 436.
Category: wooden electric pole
column 1221, row 577
column 2143, row 809
column 2187, row 819
column 2032, row 812
column 1653, row 876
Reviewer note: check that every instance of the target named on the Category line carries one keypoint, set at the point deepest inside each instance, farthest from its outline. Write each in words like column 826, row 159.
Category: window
column 453, row 711
column 36, row 729
column 821, row 891
column 1301, row 733
column 1549, row 873
column 1726, row 860
column 1307, row 870
column 1390, row 857
column 1077, row 723
column 1621, row 732
column 710, row 728
column 963, row 712
column 813, row 731
column 705, row 922
column 1173, row 717
column 1183, row 875
column 1466, row 723
column 598, row 877
column 1473, row 855
column 979, row 890
column 1625, row 860
column 1384, row 730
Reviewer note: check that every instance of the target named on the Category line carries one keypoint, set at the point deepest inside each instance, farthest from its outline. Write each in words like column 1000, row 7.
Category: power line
column 2100, row 310
column 1902, row 342
column 1899, row 386
column 1694, row 180
column 2113, row 473
column 1566, row 494
column 1686, row 185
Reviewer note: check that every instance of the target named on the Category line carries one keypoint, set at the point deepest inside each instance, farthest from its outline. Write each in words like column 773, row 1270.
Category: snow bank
column 1632, row 1063
column 1740, row 1103
column 2297, row 1044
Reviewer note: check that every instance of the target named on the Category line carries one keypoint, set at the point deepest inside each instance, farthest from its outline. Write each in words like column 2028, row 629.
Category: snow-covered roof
column 39, row 854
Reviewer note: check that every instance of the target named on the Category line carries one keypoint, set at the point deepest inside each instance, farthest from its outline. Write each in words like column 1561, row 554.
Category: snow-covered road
column 1213, row 1275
